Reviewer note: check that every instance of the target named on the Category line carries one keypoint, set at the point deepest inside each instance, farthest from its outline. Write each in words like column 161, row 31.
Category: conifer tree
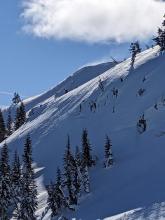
column 9, row 124
column 60, row 198
column 86, row 181
column 86, row 150
column 17, row 119
column 108, row 153
column 5, row 183
column 28, row 201
column 160, row 39
column 2, row 127
column 134, row 49
column 68, row 172
column 16, row 99
column 78, row 173
column 142, row 124
column 20, row 116
column 52, row 204
column 77, row 181
column 56, row 197
column 78, row 157
column 16, row 183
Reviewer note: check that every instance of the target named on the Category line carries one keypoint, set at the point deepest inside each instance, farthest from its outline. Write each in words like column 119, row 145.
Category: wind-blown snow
column 137, row 178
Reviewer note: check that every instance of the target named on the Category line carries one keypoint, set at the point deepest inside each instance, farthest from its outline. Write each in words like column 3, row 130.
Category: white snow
column 135, row 185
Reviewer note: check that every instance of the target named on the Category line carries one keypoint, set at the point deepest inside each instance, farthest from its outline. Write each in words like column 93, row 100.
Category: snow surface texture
column 137, row 180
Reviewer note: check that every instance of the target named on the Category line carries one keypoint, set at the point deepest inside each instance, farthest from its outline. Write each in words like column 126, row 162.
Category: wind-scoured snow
column 136, row 181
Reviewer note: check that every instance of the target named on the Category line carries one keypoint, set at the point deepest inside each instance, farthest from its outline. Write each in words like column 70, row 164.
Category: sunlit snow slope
column 137, row 179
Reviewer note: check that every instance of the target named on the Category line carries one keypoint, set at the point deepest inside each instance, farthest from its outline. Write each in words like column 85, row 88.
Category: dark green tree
column 60, row 197
column 78, row 157
column 20, row 116
column 5, row 183
column 2, row 127
column 86, row 150
column 77, row 181
column 160, row 39
column 108, row 153
column 68, row 173
column 16, row 184
column 9, row 124
column 16, row 99
column 86, row 180
column 56, row 197
column 28, row 201
column 52, row 203
column 134, row 49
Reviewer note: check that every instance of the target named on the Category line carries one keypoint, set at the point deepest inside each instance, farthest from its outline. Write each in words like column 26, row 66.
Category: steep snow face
column 137, row 177
column 75, row 80
column 156, row 211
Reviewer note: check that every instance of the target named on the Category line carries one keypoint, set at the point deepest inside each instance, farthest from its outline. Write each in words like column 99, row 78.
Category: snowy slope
column 78, row 78
column 137, row 179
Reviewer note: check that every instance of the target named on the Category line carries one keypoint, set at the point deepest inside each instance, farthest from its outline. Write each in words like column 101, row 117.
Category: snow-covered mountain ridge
column 137, row 178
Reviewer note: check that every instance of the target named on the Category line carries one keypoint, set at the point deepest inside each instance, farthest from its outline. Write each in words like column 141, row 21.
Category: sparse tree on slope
column 134, row 49
column 20, row 116
column 108, row 153
column 160, row 39
column 16, row 99
column 142, row 124
column 5, row 183
column 86, row 150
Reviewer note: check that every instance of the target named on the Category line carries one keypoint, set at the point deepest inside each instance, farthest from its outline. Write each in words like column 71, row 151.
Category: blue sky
column 30, row 64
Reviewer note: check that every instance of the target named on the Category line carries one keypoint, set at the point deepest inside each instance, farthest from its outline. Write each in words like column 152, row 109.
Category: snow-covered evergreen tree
column 20, row 116
column 78, row 172
column 5, row 183
column 160, row 39
column 78, row 157
column 108, row 153
column 142, row 124
column 86, row 150
column 16, row 99
column 28, row 200
column 134, row 49
column 52, row 204
column 60, row 197
column 2, row 127
column 9, row 124
column 16, row 183
column 76, row 179
column 68, row 173
column 56, row 197
column 86, row 180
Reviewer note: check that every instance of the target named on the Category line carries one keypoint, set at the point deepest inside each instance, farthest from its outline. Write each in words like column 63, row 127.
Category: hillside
column 75, row 80
column 137, row 178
